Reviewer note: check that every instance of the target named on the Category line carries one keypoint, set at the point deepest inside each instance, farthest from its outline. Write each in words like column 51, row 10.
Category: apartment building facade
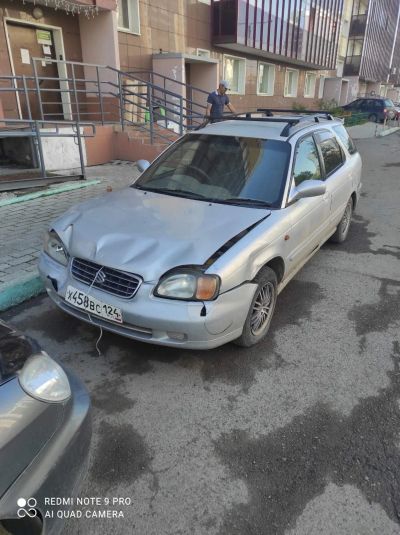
column 273, row 52
column 369, row 51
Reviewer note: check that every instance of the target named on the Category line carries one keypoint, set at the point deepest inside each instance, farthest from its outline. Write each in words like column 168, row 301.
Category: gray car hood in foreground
column 149, row 233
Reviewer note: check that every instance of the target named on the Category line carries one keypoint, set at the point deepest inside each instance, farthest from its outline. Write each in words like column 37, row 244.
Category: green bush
column 328, row 105
column 298, row 107
column 355, row 119
column 332, row 106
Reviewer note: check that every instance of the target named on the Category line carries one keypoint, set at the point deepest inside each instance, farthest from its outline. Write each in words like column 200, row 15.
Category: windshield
column 225, row 169
column 388, row 103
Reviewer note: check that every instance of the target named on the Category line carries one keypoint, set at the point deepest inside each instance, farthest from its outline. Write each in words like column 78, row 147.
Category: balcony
column 358, row 25
column 276, row 30
column 352, row 66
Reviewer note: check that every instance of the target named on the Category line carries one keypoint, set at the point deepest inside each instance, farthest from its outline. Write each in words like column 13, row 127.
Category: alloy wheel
column 345, row 222
column 262, row 308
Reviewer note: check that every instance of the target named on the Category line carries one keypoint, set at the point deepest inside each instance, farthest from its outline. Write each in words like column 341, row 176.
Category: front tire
column 344, row 225
column 373, row 118
column 261, row 309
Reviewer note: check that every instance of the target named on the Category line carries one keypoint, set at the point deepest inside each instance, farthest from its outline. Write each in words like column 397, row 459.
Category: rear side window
column 307, row 165
column 364, row 104
column 331, row 153
column 355, row 104
column 344, row 137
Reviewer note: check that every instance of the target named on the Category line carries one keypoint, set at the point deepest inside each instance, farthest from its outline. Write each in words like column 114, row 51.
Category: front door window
column 307, row 166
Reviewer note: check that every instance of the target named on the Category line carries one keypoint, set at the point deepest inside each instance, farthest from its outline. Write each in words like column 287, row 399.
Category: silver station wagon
column 195, row 252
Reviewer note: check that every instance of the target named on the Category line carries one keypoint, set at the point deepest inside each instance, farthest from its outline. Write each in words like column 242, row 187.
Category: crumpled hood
column 149, row 233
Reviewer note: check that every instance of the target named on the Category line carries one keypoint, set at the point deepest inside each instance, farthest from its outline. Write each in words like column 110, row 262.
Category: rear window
column 344, row 137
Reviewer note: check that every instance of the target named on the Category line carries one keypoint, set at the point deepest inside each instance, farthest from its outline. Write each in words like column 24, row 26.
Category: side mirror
column 308, row 188
column 142, row 165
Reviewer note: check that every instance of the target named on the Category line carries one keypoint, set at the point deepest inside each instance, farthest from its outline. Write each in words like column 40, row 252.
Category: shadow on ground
column 288, row 468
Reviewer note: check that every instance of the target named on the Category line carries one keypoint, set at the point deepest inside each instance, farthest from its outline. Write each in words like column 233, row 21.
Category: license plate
column 92, row 306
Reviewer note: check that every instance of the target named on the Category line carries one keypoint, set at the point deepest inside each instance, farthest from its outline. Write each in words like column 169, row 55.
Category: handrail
column 42, row 124
column 108, row 95
column 151, row 84
column 152, row 73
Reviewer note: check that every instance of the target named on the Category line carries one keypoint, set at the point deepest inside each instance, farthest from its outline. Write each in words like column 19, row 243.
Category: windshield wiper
column 175, row 192
column 246, row 201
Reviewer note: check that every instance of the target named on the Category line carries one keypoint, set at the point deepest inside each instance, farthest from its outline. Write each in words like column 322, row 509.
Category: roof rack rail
column 269, row 112
column 247, row 116
column 270, row 118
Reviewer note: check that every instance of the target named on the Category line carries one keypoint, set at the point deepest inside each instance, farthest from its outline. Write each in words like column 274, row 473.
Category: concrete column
column 99, row 39
column 173, row 67
column 394, row 94
column 354, row 88
column 373, row 87
column 332, row 89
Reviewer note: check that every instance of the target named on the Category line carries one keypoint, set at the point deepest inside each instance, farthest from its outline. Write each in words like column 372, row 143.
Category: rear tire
column 344, row 225
column 261, row 309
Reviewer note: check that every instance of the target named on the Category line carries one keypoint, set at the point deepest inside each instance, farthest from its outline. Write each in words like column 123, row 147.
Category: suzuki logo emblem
column 100, row 277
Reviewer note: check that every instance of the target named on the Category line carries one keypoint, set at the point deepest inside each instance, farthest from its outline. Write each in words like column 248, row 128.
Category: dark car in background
column 375, row 108
column 45, row 432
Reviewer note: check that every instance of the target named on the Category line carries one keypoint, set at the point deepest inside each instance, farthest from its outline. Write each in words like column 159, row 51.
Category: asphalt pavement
column 298, row 435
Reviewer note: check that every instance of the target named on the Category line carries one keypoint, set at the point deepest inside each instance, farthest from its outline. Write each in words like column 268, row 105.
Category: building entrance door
column 27, row 42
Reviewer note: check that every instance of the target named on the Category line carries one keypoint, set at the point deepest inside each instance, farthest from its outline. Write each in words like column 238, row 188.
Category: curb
column 19, row 291
column 383, row 133
column 47, row 192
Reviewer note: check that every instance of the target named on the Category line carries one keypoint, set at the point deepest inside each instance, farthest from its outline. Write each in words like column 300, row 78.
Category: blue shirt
column 218, row 102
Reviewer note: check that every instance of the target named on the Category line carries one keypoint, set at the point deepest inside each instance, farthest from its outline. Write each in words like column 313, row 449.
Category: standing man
column 216, row 102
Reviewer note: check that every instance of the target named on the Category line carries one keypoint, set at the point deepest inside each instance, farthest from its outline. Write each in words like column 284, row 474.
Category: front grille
column 104, row 278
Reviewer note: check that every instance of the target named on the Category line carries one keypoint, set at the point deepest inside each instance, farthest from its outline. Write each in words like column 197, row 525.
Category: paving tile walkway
column 23, row 225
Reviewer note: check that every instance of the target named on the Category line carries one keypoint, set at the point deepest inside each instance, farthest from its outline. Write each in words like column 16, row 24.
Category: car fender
column 243, row 261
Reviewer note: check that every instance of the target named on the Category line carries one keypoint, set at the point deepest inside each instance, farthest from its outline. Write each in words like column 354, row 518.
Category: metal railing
column 38, row 129
column 195, row 97
column 105, row 95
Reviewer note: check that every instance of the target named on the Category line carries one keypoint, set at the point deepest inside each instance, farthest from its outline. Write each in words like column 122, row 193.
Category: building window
column 266, row 79
column 235, row 73
column 291, row 82
column 309, row 85
column 128, row 16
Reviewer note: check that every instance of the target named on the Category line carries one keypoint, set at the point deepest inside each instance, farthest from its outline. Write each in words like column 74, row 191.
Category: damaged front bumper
column 192, row 325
